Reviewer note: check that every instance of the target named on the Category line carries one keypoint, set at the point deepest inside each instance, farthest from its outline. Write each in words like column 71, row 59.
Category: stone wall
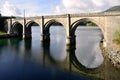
column 113, row 55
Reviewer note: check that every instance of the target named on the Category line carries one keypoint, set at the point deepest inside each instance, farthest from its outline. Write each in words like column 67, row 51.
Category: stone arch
column 32, row 23
column 46, row 29
column 50, row 22
column 17, row 29
column 29, row 25
column 76, row 23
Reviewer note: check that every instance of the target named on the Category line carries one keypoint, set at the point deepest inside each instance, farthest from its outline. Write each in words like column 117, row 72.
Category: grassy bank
column 2, row 33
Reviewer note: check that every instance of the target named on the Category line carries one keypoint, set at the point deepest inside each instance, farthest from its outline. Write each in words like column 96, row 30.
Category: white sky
column 49, row 7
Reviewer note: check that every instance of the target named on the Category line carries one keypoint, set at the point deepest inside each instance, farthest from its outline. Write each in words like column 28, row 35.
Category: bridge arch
column 48, row 24
column 77, row 22
column 51, row 22
column 31, row 23
column 28, row 25
column 17, row 29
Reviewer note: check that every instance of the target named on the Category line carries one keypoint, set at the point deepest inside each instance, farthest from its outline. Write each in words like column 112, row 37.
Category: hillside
column 114, row 9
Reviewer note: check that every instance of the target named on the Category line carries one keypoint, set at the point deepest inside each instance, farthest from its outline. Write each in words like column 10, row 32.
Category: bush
column 2, row 33
column 117, row 35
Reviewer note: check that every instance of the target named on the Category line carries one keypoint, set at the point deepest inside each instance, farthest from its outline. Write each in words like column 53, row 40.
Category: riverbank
column 2, row 33
column 116, row 44
column 113, row 55
column 5, row 36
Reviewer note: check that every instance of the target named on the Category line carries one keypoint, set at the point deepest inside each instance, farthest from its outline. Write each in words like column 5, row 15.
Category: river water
column 33, row 59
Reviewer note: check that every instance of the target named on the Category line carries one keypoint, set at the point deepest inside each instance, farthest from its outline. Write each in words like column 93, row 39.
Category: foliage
column 1, row 24
column 2, row 33
column 91, row 24
column 117, row 35
column 87, row 23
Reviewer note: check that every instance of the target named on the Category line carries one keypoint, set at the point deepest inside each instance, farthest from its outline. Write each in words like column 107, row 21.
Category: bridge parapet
column 100, row 14
column 56, row 16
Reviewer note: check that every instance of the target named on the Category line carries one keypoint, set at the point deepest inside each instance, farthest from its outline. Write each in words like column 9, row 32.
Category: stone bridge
column 108, row 22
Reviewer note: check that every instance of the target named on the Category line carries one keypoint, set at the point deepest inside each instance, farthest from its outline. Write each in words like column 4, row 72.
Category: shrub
column 117, row 35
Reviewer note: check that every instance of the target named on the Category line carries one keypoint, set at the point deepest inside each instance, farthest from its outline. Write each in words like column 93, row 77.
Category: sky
column 53, row 7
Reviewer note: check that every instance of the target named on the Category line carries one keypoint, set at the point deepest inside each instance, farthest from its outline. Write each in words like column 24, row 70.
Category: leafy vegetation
column 2, row 33
column 91, row 24
column 117, row 35
column 3, row 23
column 87, row 23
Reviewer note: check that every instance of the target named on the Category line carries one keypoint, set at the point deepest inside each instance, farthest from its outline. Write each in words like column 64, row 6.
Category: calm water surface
column 19, row 57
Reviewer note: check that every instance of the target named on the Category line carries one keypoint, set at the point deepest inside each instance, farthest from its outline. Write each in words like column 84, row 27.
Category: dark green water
column 24, row 59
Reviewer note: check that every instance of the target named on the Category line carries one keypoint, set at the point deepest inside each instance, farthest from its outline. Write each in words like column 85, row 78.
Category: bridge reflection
column 46, row 58
column 70, row 63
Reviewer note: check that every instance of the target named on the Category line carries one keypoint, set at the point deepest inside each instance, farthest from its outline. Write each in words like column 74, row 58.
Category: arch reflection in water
column 56, row 35
column 88, row 51
column 27, row 44
column 76, row 66
column 14, row 45
column 54, row 51
column 58, row 47
column 56, row 32
column 27, row 48
column 49, row 60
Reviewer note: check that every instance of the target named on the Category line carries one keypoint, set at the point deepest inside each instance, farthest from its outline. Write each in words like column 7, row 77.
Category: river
column 21, row 58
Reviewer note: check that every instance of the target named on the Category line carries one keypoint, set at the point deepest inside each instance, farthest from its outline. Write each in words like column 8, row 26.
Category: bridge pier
column 9, row 25
column 27, row 36
column 70, row 51
column 71, row 40
column 104, row 43
column 45, row 37
column 26, row 33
